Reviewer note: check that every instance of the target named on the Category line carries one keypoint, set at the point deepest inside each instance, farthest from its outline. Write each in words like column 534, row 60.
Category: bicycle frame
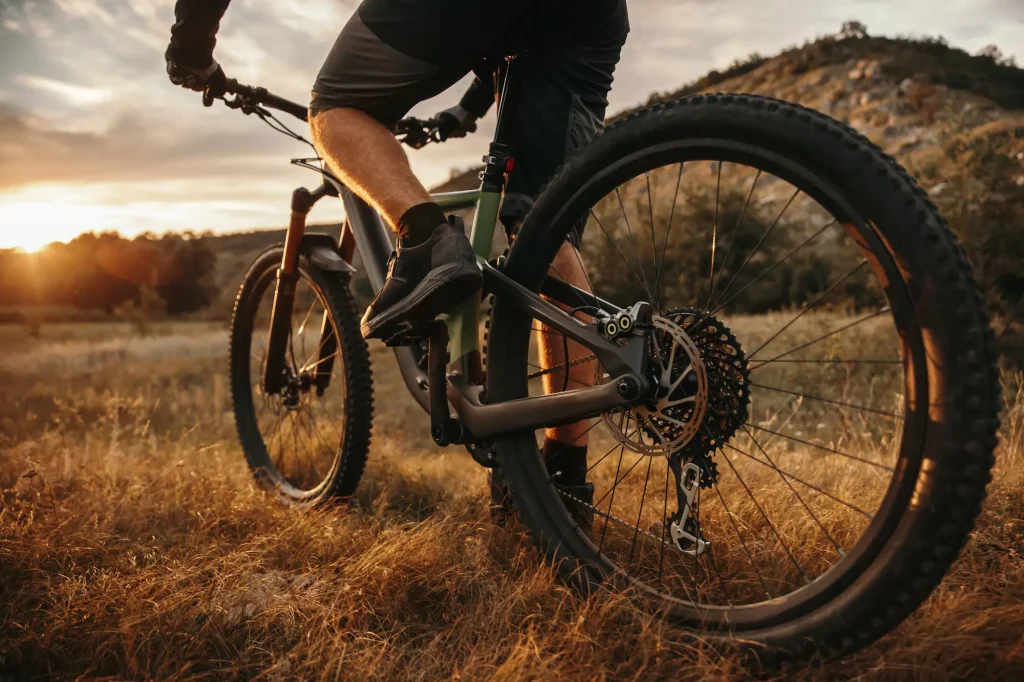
column 365, row 231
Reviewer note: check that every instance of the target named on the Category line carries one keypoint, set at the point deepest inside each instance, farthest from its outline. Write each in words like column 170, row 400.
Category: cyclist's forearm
column 194, row 32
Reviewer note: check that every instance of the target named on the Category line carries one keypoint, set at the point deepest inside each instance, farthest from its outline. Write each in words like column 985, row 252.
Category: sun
column 30, row 224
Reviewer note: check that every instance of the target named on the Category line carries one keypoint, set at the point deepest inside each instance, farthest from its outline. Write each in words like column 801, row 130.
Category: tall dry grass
column 134, row 546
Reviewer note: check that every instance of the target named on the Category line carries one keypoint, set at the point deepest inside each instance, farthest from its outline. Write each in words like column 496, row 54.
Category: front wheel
column 307, row 443
column 828, row 405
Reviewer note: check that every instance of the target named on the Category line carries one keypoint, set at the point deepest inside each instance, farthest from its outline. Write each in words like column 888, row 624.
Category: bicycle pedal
column 407, row 333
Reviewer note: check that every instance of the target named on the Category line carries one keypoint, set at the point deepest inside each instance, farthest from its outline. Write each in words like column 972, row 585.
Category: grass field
column 133, row 545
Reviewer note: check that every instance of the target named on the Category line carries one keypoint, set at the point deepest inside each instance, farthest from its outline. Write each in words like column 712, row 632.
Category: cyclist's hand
column 209, row 80
column 455, row 122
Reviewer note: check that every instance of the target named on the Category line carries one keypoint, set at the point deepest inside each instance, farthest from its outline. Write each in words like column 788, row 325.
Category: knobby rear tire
column 948, row 484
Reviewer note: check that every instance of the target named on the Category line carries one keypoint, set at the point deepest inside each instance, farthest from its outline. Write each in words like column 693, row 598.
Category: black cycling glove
column 455, row 122
column 209, row 80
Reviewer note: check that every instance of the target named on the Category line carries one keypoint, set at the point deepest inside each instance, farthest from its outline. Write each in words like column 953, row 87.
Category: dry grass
column 133, row 545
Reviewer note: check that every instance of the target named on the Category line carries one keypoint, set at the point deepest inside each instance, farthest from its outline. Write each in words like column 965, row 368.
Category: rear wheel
column 824, row 433
column 308, row 443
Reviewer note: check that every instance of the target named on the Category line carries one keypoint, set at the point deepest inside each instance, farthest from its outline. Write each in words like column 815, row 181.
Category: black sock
column 566, row 462
column 419, row 222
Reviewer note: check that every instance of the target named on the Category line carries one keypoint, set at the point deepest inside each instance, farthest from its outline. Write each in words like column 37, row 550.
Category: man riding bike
column 393, row 54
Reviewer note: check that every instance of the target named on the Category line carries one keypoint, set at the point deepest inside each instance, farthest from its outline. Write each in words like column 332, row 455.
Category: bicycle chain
column 612, row 517
column 574, row 363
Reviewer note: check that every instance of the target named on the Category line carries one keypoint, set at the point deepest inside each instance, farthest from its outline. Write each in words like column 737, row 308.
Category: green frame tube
column 463, row 322
column 453, row 201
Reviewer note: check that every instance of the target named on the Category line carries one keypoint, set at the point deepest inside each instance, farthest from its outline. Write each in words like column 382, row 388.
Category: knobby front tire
column 307, row 445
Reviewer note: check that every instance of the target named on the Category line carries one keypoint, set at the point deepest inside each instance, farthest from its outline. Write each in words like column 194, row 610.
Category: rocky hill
column 955, row 120
column 912, row 97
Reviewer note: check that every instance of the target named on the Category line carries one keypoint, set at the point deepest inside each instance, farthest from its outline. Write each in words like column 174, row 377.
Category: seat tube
column 463, row 322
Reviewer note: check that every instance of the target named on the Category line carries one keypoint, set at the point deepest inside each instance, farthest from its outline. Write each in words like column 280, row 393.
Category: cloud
column 78, row 95
column 84, row 97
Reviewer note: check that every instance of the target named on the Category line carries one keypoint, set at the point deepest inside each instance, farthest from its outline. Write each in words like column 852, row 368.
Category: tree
column 853, row 29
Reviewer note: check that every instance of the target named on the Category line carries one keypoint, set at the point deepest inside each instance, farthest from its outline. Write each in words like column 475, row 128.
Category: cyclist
column 391, row 55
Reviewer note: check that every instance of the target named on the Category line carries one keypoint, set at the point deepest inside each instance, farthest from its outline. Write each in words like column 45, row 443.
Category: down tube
column 463, row 323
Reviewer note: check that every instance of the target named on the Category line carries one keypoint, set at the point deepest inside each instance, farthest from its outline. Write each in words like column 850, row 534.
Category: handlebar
column 411, row 131
column 250, row 97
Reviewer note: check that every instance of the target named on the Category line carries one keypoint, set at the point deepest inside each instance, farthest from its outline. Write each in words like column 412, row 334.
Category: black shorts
column 393, row 54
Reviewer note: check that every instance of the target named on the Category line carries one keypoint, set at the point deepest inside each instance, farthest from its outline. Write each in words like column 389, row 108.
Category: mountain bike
column 790, row 390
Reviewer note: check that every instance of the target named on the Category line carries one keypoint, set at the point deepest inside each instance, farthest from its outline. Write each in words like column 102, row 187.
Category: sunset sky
column 93, row 136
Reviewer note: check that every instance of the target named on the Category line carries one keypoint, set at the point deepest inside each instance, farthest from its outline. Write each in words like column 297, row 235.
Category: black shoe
column 579, row 502
column 424, row 281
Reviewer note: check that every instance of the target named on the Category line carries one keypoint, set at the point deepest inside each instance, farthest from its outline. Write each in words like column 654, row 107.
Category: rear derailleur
column 684, row 525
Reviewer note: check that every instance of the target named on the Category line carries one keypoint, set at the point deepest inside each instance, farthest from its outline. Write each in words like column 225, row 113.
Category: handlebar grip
column 287, row 106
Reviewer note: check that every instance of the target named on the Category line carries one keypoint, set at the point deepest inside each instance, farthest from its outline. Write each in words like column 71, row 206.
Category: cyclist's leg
column 564, row 84
column 391, row 55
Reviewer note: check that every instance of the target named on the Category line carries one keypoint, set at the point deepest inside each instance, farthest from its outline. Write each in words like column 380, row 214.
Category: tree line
column 105, row 272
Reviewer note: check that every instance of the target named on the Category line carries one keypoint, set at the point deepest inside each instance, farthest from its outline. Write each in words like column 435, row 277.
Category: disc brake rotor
column 673, row 416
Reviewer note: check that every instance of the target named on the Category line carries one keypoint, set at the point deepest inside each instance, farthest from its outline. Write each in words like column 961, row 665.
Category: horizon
column 93, row 138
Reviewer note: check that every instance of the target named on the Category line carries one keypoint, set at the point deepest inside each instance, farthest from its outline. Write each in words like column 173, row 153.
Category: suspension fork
column 275, row 372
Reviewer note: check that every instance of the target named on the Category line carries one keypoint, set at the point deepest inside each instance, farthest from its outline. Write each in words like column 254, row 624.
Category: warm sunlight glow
column 32, row 217
column 31, row 225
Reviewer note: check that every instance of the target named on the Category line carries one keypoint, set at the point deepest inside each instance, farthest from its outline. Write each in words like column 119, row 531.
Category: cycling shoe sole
column 438, row 293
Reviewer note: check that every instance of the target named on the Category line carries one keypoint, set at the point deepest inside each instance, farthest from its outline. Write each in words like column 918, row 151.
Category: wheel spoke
column 302, row 327
column 551, row 370
column 732, row 241
column 793, row 490
column 310, row 456
column 617, row 250
column 659, row 265
column 870, row 316
column 838, row 403
column 576, row 291
column 664, row 526
column 605, row 455
column 801, row 481
column 732, row 280
column 739, row 536
column 654, row 244
column 574, row 440
column 604, row 530
column 818, row 299
column 636, row 249
column 819, row 446
column 306, row 368
column 714, row 237
column 643, row 496
column 718, row 306
column 771, row 525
